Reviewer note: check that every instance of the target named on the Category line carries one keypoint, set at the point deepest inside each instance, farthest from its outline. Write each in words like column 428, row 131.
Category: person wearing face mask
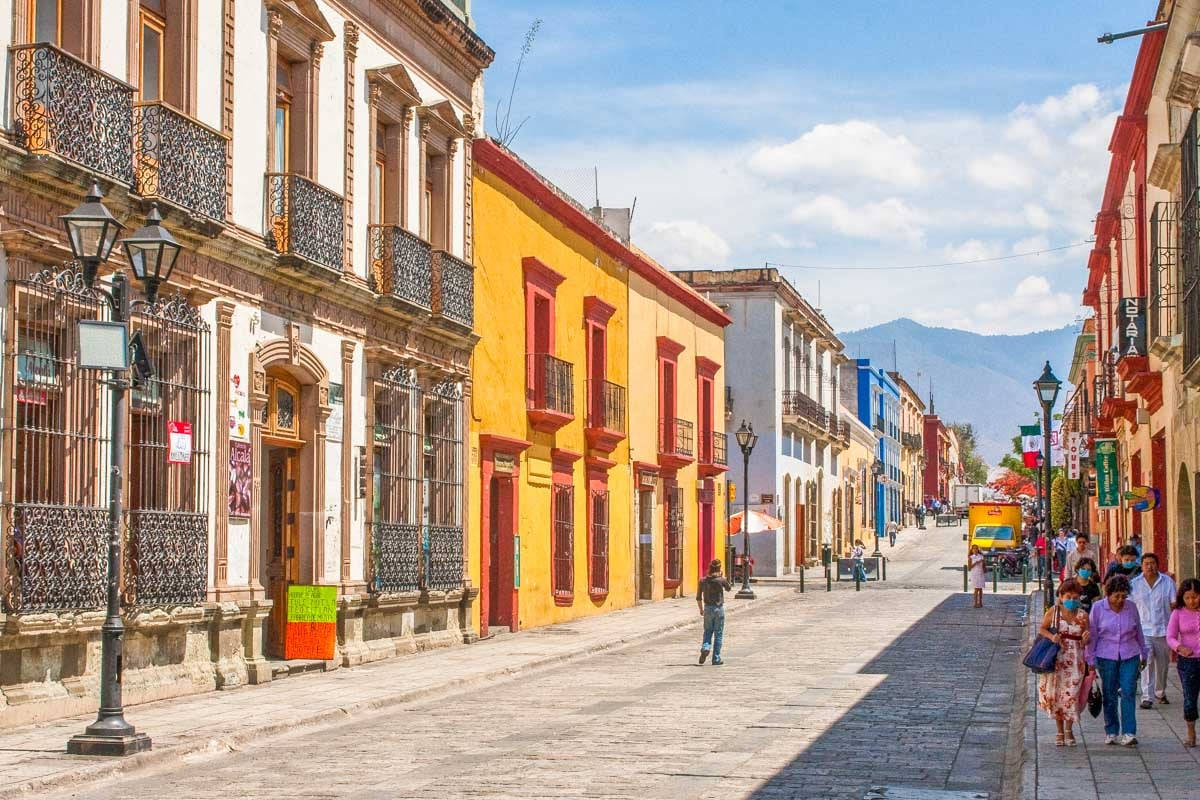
column 1154, row 595
column 1117, row 648
column 1058, row 692
column 1183, row 636
column 1089, row 586
column 1126, row 564
column 1083, row 549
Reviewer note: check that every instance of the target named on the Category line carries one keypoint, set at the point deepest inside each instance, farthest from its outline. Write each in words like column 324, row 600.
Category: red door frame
column 491, row 445
column 1158, row 479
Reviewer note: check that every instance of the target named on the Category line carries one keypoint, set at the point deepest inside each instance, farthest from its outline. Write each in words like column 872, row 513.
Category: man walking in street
column 1154, row 595
column 893, row 528
column 711, row 599
column 1083, row 549
column 920, row 514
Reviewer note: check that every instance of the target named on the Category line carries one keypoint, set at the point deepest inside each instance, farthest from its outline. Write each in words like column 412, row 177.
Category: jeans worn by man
column 710, row 596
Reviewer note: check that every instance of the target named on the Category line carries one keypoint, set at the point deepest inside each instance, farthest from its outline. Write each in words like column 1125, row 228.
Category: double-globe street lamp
column 746, row 439
column 151, row 251
column 1047, row 387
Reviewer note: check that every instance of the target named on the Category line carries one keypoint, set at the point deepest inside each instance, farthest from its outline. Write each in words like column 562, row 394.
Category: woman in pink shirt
column 1183, row 636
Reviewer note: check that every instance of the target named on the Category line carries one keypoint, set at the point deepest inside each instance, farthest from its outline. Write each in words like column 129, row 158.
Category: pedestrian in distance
column 920, row 515
column 711, row 598
column 1089, row 586
column 1061, row 545
column 1135, row 541
column 1117, row 648
column 893, row 528
column 976, row 566
column 1183, row 637
column 1058, row 692
column 1125, row 564
column 1154, row 595
column 857, row 553
column 1083, row 549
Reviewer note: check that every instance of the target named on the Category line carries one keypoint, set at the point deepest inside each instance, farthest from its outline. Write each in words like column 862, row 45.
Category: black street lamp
column 151, row 250
column 1047, row 387
column 877, row 473
column 746, row 439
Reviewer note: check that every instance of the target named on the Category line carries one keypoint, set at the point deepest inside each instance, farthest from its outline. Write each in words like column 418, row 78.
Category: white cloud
column 1033, row 305
column 890, row 219
column 853, row 148
column 972, row 250
column 788, row 243
column 1000, row 171
column 685, row 243
column 1031, row 244
column 1037, row 216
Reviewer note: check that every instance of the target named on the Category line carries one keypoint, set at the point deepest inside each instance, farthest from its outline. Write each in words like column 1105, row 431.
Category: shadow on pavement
column 939, row 717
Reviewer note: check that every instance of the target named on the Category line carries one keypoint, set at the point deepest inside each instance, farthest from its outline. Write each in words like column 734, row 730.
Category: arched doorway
column 822, row 511
column 1185, row 528
column 789, row 523
column 289, row 407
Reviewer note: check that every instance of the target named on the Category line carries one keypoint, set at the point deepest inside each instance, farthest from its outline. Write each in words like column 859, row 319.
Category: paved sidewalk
column 34, row 757
column 1159, row 768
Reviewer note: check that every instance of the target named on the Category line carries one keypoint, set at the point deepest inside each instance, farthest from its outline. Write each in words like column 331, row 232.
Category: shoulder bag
column 1043, row 656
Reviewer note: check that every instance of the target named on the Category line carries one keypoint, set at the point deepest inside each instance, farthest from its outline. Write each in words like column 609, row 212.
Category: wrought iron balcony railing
column 401, row 264
column 179, row 160
column 911, row 441
column 68, row 108
column 676, row 437
column 305, row 220
column 797, row 403
column 1189, row 242
column 453, row 288
column 879, row 425
column 717, row 451
column 606, row 405
column 552, row 384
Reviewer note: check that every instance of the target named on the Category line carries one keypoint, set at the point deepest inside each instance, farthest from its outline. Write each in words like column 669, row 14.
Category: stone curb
column 98, row 769
column 1028, row 751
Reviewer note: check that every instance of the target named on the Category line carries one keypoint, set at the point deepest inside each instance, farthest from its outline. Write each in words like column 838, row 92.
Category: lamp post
column 877, row 473
column 746, row 439
column 151, row 251
column 1047, row 387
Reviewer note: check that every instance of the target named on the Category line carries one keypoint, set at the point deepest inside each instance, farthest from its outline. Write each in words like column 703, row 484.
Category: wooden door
column 800, row 529
column 283, row 526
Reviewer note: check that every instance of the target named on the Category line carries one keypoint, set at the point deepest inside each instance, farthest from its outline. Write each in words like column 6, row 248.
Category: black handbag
column 1095, row 700
column 1043, row 656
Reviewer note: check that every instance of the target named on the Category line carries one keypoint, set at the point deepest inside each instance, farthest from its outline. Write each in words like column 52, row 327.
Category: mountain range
column 984, row 380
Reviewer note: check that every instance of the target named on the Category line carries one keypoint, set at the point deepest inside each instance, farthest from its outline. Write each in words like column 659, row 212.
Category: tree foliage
column 1060, row 503
column 1013, row 484
column 975, row 469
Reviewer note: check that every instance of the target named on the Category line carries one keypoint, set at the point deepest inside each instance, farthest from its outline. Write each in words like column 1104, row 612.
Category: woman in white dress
column 975, row 566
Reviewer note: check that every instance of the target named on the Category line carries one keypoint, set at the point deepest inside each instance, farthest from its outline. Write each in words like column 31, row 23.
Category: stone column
column 221, row 452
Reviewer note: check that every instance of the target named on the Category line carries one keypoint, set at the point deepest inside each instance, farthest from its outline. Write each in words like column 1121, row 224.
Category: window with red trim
column 598, row 543
column 548, row 380
column 563, row 541
column 673, row 549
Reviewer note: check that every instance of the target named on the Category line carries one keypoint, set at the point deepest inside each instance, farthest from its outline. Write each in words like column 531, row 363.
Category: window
column 281, row 161
column 606, row 400
column 673, row 547
column 444, row 484
column 435, row 194
column 598, row 544
column 563, row 542
column 549, row 381
column 379, row 179
column 706, row 375
column 45, row 21
column 396, row 513
column 281, row 413
column 152, row 25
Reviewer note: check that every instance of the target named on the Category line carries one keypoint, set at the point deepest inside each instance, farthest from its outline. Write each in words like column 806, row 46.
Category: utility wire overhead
column 934, row 266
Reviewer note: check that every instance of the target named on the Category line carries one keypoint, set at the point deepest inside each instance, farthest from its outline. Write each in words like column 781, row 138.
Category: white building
column 781, row 367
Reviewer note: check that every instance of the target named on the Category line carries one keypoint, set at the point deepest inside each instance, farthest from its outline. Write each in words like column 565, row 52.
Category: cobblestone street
column 824, row 695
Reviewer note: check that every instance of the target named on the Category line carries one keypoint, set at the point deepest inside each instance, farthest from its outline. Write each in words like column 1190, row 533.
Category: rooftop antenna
column 632, row 209
column 818, row 295
column 596, row 184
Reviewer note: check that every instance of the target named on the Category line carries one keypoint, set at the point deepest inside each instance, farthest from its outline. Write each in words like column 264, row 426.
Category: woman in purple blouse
column 1118, row 650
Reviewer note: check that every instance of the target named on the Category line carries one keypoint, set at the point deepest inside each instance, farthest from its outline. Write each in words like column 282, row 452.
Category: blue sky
column 836, row 134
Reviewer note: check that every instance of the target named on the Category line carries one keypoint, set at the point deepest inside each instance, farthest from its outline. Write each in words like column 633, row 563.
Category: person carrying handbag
column 1118, row 650
column 1058, row 692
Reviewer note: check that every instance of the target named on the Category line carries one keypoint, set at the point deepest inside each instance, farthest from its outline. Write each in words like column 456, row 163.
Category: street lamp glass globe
column 152, row 251
column 91, row 231
column 1047, row 386
column 746, row 438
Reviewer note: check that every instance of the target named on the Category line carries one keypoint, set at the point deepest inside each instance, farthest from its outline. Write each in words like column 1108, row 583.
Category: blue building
column 877, row 401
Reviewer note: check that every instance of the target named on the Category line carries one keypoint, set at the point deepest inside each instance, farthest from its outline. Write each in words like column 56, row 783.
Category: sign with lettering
column 311, row 622
column 1073, row 456
column 239, row 479
column 1107, row 479
column 767, row 499
column 336, row 421
column 504, row 464
column 732, row 491
column 179, row 442
column 1132, row 322
column 239, row 408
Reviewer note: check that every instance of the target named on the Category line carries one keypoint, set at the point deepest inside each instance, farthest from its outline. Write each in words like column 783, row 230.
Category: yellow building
column 854, row 467
column 555, row 500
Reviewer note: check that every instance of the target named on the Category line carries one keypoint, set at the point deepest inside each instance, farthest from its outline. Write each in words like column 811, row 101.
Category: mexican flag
column 1031, row 444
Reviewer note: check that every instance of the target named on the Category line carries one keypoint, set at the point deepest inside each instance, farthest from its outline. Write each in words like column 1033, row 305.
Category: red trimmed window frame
column 541, row 287
column 596, row 314
column 669, row 351
column 672, row 494
column 598, row 568
column 706, row 413
column 562, row 542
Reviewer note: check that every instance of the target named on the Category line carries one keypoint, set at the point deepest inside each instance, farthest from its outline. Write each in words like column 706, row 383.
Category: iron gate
column 396, row 483
column 444, row 471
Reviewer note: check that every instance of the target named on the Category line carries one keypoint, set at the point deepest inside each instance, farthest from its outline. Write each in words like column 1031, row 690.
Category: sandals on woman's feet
column 1059, row 740
column 1071, row 740
column 1189, row 742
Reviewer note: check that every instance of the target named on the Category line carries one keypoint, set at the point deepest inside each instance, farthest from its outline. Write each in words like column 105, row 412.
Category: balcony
column 800, row 410
column 305, row 225
column 453, row 289
column 550, row 393
column 179, row 161
column 606, row 415
column 911, row 441
column 401, row 267
column 68, row 109
column 675, row 443
column 714, row 458
column 879, row 425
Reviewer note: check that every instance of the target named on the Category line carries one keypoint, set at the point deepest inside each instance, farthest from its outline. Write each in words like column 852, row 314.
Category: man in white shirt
column 1154, row 594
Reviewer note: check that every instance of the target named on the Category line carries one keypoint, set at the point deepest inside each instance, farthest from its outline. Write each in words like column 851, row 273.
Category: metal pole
column 995, row 579
column 828, row 581
column 964, row 577
column 110, row 734
column 883, row 563
column 801, row 579
column 1048, row 600
column 745, row 593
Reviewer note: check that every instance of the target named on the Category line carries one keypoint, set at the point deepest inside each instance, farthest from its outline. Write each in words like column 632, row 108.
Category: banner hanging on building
column 1073, row 456
column 1133, row 326
column 1107, row 480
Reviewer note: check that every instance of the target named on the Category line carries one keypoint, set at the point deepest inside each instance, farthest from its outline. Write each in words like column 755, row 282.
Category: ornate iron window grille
column 453, row 288
column 1164, row 276
column 598, row 568
column 68, row 108
column 673, row 549
column 401, row 264
column 166, row 548
column 720, row 448
column 553, row 383
column 444, row 478
column 56, row 443
column 305, row 220
column 676, row 437
column 1189, row 245
column 563, row 544
column 607, row 407
column 179, row 159
column 396, row 483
